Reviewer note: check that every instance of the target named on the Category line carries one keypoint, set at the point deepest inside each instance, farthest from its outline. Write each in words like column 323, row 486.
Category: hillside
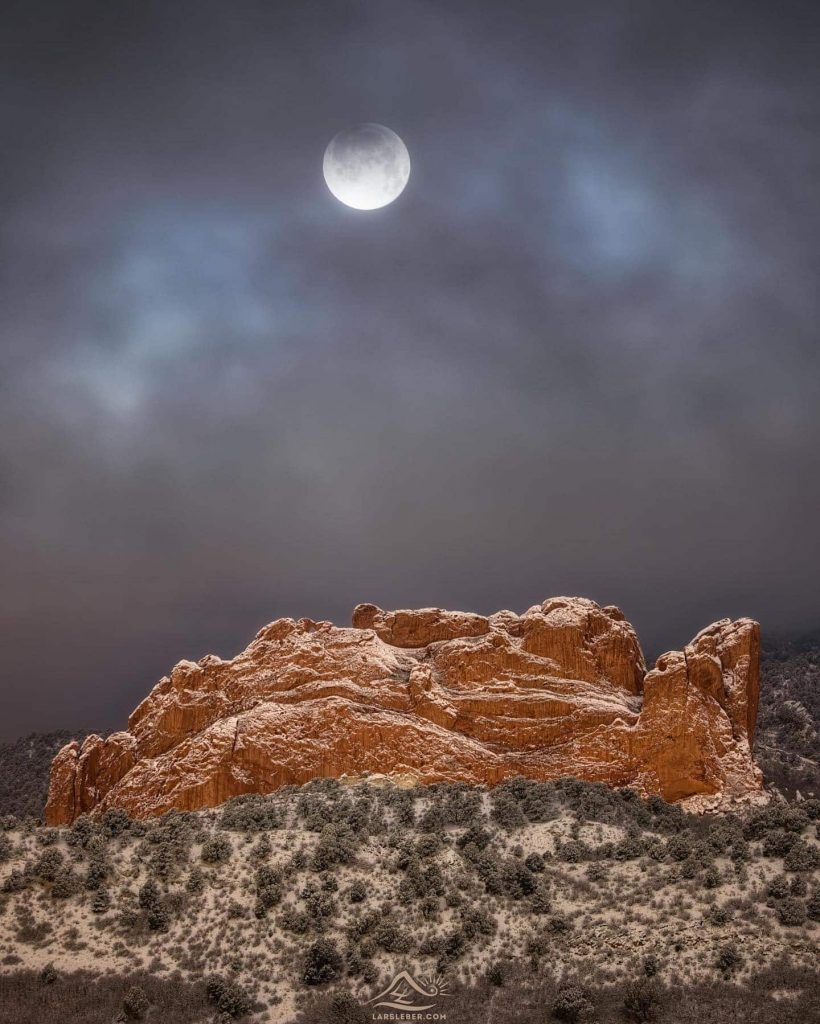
column 525, row 904
column 565, row 901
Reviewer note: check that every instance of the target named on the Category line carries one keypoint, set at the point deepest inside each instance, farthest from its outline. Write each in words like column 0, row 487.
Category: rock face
column 441, row 696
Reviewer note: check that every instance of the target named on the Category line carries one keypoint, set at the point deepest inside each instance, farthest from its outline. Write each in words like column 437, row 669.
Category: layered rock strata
column 442, row 696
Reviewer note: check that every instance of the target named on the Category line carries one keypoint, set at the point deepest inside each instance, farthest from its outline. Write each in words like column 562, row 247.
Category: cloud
column 577, row 355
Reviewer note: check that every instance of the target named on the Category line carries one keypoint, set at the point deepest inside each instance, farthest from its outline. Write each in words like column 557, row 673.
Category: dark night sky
column 578, row 355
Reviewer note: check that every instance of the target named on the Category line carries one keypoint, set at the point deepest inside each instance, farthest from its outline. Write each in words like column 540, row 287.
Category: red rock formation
column 559, row 690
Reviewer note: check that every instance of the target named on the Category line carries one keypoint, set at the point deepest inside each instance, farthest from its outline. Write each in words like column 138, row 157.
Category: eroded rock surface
column 441, row 696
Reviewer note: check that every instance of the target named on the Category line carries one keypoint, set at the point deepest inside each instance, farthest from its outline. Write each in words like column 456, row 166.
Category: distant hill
column 787, row 746
column 24, row 767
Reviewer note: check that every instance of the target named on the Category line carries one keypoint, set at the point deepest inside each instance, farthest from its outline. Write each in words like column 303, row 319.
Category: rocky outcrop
column 560, row 690
column 418, row 628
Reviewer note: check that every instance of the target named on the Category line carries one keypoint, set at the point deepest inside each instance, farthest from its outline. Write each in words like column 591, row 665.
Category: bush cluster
column 228, row 996
column 322, row 963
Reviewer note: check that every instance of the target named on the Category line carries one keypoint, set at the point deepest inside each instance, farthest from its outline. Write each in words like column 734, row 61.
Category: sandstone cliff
column 560, row 690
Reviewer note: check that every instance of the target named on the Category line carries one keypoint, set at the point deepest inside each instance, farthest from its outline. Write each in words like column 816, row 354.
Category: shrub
column 401, row 803
column 406, row 858
column 48, row 865
column 16, row 881
column 517, row 880
column 344, row 1009
column 82, row 831
column 475, row 836
column 320, row 906
column 135, row 1003
column 363, row 925
column 322, row 963
column 711, row 877
column 196, row 881
column 811, row 808
column 217, row 850
column 337, row 845
column 496, row 974
column 728, row 959
column 250, row 813
column 535, row 863
column 229, row 998
column 268, row 889
column 537, row 946
column 262, row 849
column 642, row 1000
column 430, row 908
column 96, row 874
column 148, row 894
column 801, row 857
column 651, row 965
column 357, row 893
column 793, row 817
column 391, row 938
column 540, row 902
column 5, row 848
column 813, row 906
column 296, row 921
column 791, row 912
column 151, row 901
column 452, row 948
column 477, row 921
column 629, row 848
column 428, row 845
column 778, row 843
column 679, row 847
column 432, row 819
column 101, row 902
column 723, row 833
column 158, row 918
column 781, row 816
column 740, row 851
column 459, row 803
column 48, row 975
column 798, row 886
column 538, row 802
column 718, row 915
column 115, row 822
column 506, row 810
column 572, row 1004
column 778, row 888
column 66, row 884
column 596, row 872
column 574, row 851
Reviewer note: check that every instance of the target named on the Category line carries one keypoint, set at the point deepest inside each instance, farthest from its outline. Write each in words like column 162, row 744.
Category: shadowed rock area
column 561, row 690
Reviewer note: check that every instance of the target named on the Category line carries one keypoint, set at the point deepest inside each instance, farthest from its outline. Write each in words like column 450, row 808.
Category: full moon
column 366, row 167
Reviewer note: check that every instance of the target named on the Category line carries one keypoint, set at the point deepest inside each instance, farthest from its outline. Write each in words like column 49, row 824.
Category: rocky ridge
column 442, row 696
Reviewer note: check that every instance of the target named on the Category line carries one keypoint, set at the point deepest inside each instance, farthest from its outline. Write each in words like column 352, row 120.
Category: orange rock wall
column 443, row 696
